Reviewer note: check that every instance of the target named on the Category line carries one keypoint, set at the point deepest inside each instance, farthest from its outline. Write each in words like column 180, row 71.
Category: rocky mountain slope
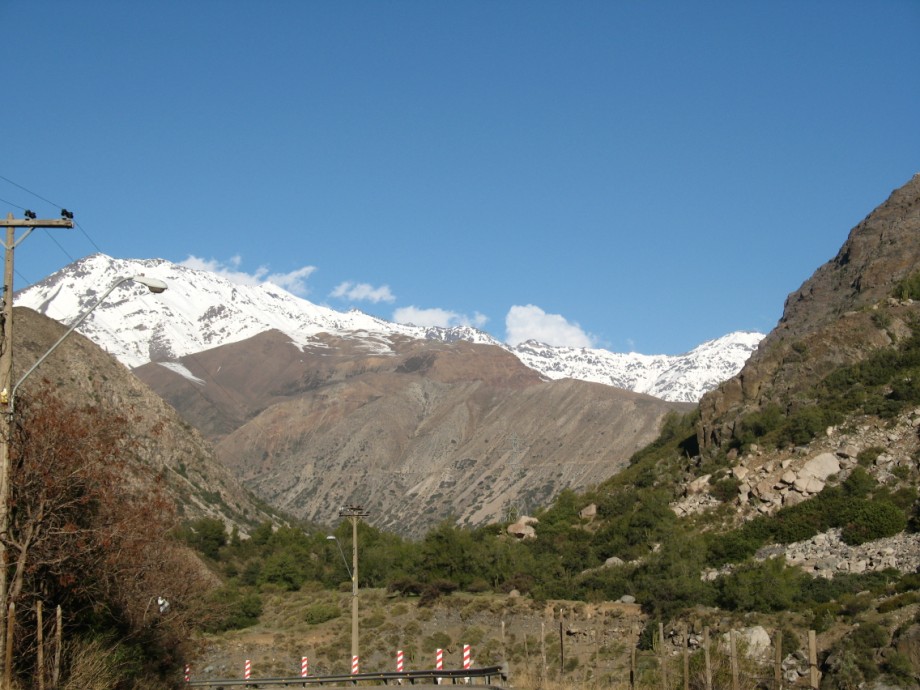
column 202, row 310
column 79, row 370
column 429, row 430
column 845, row 311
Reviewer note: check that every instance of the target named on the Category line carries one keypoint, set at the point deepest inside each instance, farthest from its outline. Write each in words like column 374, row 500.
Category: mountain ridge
column 201, row 310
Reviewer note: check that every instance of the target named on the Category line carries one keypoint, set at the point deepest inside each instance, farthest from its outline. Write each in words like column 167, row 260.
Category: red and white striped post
column 304, row 667
column 247, row 669
column 399, row 661
column 439, row 662
column 467, row 660
column 188, row 673
column 354, row 665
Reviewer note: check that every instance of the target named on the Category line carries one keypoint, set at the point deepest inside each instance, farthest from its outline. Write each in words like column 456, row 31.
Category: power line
column 10, row 203
column 37, row 196
column 48, row 201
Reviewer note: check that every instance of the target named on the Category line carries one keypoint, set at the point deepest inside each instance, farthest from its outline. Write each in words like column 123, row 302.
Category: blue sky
column 629, row 175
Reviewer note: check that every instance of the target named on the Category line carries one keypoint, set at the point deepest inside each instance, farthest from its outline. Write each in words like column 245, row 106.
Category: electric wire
column 144, row 298
column 50, row 235
column 10, row 203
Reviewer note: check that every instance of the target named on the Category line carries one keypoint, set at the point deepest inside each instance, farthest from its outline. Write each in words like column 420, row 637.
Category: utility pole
column 29, row 223
column 354, row 512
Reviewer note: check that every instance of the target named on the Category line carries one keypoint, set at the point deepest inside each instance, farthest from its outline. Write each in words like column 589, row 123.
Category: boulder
column 809, row 485
column 523, row 528
column 821, row 467
column 589, row 511
column 699, row 485
column 848, row 451
column 793, row 498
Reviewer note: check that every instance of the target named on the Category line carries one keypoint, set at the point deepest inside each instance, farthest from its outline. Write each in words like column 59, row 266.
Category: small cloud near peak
column 436, row 316
column 529, row 322
column 294, row 282
column 363, row 292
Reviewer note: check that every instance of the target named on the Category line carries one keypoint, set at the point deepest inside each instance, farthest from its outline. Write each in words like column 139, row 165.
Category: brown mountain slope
column 832, row 319
column 79, row 370
column 427, row 431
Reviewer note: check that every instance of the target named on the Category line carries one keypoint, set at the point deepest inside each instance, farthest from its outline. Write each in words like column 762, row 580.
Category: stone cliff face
column 426, row 431
column 829, row 320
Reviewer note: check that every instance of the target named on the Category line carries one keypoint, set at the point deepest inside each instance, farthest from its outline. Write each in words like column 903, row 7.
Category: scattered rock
column 821, row 467
column 589, row 511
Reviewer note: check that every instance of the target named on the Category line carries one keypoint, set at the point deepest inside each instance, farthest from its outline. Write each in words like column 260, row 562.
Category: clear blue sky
column 642, row 175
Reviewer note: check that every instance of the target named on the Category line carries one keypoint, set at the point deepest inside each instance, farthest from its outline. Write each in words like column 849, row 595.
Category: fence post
column 561, row 642
column 542, row 646
column 662, row 661
column 632, row 668
column 10, row 629
column 40, row 639
column 815, row 676
column 686, row 633
column 733, row 651
column 58, row 645
column 706, row 660
column 778, row 661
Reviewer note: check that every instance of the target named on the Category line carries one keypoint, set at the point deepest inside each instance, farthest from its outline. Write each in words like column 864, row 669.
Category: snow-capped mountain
column 679, row 378
column 202, row 310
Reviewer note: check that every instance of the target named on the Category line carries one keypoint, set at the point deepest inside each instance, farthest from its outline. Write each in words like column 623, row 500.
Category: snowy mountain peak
column 202, row 310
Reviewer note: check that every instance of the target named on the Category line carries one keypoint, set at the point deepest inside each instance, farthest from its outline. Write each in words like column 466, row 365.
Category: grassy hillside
column 634, row 545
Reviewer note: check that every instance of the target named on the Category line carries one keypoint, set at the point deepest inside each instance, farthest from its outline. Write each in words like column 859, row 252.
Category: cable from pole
column 48, row 201
column 25, row 189
column 10, row 203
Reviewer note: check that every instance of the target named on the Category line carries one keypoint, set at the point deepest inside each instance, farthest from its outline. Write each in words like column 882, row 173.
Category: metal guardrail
column 453, row 676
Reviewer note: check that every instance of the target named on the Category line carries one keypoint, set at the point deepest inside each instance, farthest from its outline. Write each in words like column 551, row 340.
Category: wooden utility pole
column 29, row 223
column 354, row 513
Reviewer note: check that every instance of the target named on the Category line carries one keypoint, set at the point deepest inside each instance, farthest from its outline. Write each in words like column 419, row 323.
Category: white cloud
column 363, row 291
column 532, row 323
column 294, row 282
column 438, row 317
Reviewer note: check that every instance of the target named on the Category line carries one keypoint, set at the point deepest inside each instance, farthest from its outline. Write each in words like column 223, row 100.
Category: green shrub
column 725, row 489
column 908, row 287
column 761, row 586
column 867, row 456
column 898, row 601
column 231, row 609
column 438, row 640
column 873, row 520
column 898, row 666
column 320, row 613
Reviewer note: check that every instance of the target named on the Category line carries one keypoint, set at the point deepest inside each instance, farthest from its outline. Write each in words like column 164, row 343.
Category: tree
column 90, row 530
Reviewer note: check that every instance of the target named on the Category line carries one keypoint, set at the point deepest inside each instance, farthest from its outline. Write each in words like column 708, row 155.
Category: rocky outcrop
column 523, row 528
column 826, row 554
column 828, row 321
